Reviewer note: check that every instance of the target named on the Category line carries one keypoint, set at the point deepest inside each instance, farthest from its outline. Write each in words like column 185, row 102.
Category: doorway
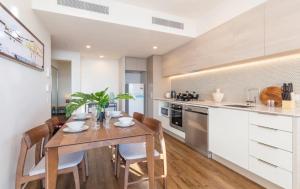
column 61, row 86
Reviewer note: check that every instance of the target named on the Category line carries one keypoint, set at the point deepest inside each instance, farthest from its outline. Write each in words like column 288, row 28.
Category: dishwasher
column 195, row 121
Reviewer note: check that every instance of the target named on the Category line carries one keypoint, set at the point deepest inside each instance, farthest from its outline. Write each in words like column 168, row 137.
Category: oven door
column 176, row 119
column 164, row 111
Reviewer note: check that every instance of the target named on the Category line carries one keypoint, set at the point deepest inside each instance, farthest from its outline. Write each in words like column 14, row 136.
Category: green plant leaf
column 124, row 96
column 102, row 99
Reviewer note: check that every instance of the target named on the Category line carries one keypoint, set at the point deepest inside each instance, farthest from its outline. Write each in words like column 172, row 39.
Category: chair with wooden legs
column 35, row 137
column 54, row 123
column 136, row 152
column 138, row 117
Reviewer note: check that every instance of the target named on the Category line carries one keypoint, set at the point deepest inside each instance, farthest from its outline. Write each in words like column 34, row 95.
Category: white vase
column 218, row 96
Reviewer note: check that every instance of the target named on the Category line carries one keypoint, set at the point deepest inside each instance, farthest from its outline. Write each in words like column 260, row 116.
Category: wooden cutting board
column 271, row 93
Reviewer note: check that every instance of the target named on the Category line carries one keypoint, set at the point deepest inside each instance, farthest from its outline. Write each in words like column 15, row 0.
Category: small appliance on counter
column 218, row 96
column 187, row 96
column 173, row 94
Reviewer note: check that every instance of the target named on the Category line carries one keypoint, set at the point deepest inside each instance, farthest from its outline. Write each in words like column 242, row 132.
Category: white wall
column 24, row 100
column 97, row 74
column 74, row 57
column 122, row 68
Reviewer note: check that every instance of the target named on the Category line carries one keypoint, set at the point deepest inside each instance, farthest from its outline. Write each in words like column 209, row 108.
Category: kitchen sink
column 238, row 106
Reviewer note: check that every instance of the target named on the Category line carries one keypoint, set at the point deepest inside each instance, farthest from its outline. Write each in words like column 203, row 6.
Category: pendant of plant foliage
column 101, row 98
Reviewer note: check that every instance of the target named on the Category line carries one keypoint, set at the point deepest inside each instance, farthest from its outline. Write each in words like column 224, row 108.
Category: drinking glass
column 94, row 112
column 107, row 118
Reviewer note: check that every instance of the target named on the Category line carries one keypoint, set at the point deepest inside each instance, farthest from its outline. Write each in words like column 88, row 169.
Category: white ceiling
column 108, row 39
column 192, row 9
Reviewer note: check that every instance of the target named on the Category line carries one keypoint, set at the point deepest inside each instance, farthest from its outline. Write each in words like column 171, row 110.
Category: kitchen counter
column 258, row 108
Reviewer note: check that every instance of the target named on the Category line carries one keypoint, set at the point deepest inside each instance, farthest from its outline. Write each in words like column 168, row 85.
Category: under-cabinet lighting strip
column 241, row 65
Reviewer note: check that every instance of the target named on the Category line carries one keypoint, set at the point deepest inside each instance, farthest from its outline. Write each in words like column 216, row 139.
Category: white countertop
column 257, row 108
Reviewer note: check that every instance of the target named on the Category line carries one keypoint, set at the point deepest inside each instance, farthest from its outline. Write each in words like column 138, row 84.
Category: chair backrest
column 52, row 123
column 138, row 116
column 35, row 136
column 156, row 126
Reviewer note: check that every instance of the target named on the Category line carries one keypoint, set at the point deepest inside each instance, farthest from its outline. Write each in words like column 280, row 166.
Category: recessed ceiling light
column 155, row 47
column 88, row 46
column 101, row 56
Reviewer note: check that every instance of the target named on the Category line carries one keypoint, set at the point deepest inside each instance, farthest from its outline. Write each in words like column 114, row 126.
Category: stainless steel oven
column 176, row 116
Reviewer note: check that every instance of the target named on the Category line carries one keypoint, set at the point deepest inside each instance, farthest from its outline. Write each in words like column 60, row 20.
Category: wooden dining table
column 63, row 143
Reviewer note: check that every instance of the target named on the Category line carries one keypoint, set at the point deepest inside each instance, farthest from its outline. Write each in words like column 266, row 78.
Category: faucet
column 252, row 95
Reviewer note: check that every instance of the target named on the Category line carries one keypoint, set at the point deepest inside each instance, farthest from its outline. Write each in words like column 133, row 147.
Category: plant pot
column 101, row 117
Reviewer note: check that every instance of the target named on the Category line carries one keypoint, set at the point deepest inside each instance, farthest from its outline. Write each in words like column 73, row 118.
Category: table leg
column 51, row 167
column 150, row 160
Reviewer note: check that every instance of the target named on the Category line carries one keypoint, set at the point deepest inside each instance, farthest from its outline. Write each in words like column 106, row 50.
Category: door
column 54, row 91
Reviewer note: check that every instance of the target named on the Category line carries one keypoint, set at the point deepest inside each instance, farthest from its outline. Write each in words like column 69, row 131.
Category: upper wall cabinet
column 239, row 39
column 282, row 26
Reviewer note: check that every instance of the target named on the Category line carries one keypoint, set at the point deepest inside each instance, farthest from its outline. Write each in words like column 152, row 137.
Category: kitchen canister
column 218, row 96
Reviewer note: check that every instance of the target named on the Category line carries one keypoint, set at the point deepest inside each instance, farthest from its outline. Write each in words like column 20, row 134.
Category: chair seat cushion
column 65, row 161
column 134, row 151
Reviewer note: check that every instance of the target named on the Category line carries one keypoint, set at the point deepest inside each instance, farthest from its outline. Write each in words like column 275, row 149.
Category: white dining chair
column 68, row 163
column 136, row 152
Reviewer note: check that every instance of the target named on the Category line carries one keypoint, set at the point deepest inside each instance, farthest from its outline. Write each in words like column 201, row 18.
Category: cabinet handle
column 267, row 145
column 264, row 127
column 270, row 164
column 266, row 113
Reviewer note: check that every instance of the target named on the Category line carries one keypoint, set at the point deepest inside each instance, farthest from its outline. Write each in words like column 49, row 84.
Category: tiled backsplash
column 235, row 82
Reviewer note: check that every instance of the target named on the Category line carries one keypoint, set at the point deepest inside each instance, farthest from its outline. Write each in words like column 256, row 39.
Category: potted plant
column 101, row 98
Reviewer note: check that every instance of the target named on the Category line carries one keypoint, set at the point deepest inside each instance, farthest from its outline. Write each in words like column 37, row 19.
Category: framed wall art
column 18, row 43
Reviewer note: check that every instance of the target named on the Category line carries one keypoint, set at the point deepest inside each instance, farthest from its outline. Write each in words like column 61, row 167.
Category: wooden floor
column 187, row 169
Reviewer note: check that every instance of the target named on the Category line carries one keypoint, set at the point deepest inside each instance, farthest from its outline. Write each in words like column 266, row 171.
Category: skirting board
column 174, row 135
column 245, row 173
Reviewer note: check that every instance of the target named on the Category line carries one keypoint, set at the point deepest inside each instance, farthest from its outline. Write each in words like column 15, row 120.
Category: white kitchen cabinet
column 282, row 26
column 271, row 147
column 271, row 172
column 228, row 135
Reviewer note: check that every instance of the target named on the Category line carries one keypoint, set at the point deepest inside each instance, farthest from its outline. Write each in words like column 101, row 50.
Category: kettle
column 173, row 94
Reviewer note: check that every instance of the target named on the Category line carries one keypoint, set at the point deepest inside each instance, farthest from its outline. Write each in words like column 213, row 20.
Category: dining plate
column 119, row 124
column 69, row 130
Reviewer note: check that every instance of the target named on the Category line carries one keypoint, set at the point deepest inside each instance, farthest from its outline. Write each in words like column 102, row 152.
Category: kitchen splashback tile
column 235, row 82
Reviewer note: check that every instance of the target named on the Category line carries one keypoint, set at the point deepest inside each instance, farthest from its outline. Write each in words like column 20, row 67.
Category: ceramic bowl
column 115, row 113
column 75, row 125
column 125, row 120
